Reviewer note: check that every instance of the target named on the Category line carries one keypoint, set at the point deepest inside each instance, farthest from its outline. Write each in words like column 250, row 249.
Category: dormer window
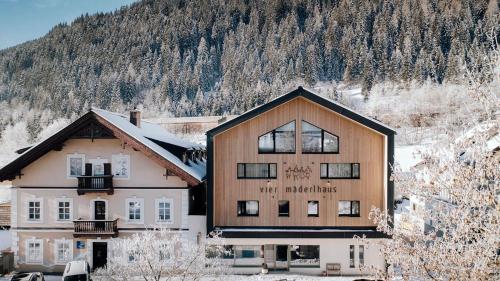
column 279, row 140
column 317, row 140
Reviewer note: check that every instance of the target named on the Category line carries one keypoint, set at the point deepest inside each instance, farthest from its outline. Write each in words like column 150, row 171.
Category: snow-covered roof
column 149, row 131
column 146, row 135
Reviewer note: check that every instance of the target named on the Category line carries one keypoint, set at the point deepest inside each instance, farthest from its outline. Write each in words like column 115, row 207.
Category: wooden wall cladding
column 357, row 144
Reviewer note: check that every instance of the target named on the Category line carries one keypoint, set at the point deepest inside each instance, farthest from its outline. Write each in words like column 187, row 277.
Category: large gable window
column 317, row 140
column 279, row 140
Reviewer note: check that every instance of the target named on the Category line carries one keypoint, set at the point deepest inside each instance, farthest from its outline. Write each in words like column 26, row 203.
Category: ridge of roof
column 312, row 96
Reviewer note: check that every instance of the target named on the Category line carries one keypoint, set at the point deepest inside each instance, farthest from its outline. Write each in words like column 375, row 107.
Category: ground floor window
column 361, row 255
column 34, row 251
column 247, row 255
column 304, row 255
column 349, row 208
column 284, row 208
column 351, row 256
column 313, row 208
column 248, row 208
column 63, row 251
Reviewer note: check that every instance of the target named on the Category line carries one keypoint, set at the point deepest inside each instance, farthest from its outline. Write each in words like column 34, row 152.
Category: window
column 304, row 256
column 63, row 251
column 339, row 170
column 34, row 251
column 75, row 165
column 279, row 140
column 35, row 210
column 257, row 171
column 283, row 208
column 120, row 164
column 351, row 256
column 361, row 255
column 248, row 208
column 164, row 211
column 313, row 208
column 317, row 140
column 64, row 209
column 135, row 210
column 164, row 253
column 348, row 208
column 98, row 166
column 247, row 255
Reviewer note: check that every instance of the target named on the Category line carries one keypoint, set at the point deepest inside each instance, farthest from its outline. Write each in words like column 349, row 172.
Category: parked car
column 77, row 271
column 28, row 276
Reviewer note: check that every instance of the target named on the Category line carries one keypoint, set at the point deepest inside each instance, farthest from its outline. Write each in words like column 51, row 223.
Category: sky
column 24, row 20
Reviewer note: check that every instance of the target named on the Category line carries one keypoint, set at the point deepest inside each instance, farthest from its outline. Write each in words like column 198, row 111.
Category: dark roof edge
column 10, row 170
column 301, row 92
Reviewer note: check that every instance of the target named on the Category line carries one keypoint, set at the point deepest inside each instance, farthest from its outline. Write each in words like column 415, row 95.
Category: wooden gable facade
column 361, row 140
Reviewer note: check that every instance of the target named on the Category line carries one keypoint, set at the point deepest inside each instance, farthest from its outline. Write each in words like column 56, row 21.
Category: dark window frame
column 274, row 140
column 247, row 215
column 322, row 141
column 256, row 178
column 313, row 215
column 340, row 178
column 288, row 205
column 352, row 215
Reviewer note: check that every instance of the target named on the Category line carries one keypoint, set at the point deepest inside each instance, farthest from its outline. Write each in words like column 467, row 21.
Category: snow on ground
column 407, row 156
column 282, row 277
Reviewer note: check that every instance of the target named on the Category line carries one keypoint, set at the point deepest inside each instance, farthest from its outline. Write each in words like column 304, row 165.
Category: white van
column 77, row 271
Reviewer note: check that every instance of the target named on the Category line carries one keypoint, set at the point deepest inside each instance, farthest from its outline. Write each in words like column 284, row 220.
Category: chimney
column 135, row 117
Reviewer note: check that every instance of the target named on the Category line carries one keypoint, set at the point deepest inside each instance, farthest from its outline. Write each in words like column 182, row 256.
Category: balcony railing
column 94, row 228
column 95, row 184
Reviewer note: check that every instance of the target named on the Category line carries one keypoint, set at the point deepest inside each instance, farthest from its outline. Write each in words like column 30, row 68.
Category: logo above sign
column 297, row 173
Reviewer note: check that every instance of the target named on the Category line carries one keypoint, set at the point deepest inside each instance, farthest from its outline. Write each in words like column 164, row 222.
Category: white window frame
column 127, row 213
column 63, row 199
column 57, row 243
column 29, row 259
column 28, row 220
column 157, row 210
column 68, row 164
column 113, row 166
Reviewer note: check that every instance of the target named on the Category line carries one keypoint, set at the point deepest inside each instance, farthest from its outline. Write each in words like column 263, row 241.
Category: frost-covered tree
column 160, row 254
column 459, row 181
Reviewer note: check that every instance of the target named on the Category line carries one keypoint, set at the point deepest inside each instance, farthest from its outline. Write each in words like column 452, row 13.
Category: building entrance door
column 282, row 257
column 99, row 254
column 277, row 257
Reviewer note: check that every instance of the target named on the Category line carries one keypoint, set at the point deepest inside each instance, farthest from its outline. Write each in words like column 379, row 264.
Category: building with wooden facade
column 291, row 182
column 103, row 176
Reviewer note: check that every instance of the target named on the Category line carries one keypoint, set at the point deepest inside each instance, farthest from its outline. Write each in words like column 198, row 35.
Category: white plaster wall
column 5, row 239
column 331, row 251
column 82, row 206
column 50, row 169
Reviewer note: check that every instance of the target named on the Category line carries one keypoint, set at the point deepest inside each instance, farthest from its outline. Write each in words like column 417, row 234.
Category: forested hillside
column 224, row 56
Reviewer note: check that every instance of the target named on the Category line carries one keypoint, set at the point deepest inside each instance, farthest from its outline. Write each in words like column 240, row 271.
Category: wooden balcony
column 95, row 228
column 88, row 184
